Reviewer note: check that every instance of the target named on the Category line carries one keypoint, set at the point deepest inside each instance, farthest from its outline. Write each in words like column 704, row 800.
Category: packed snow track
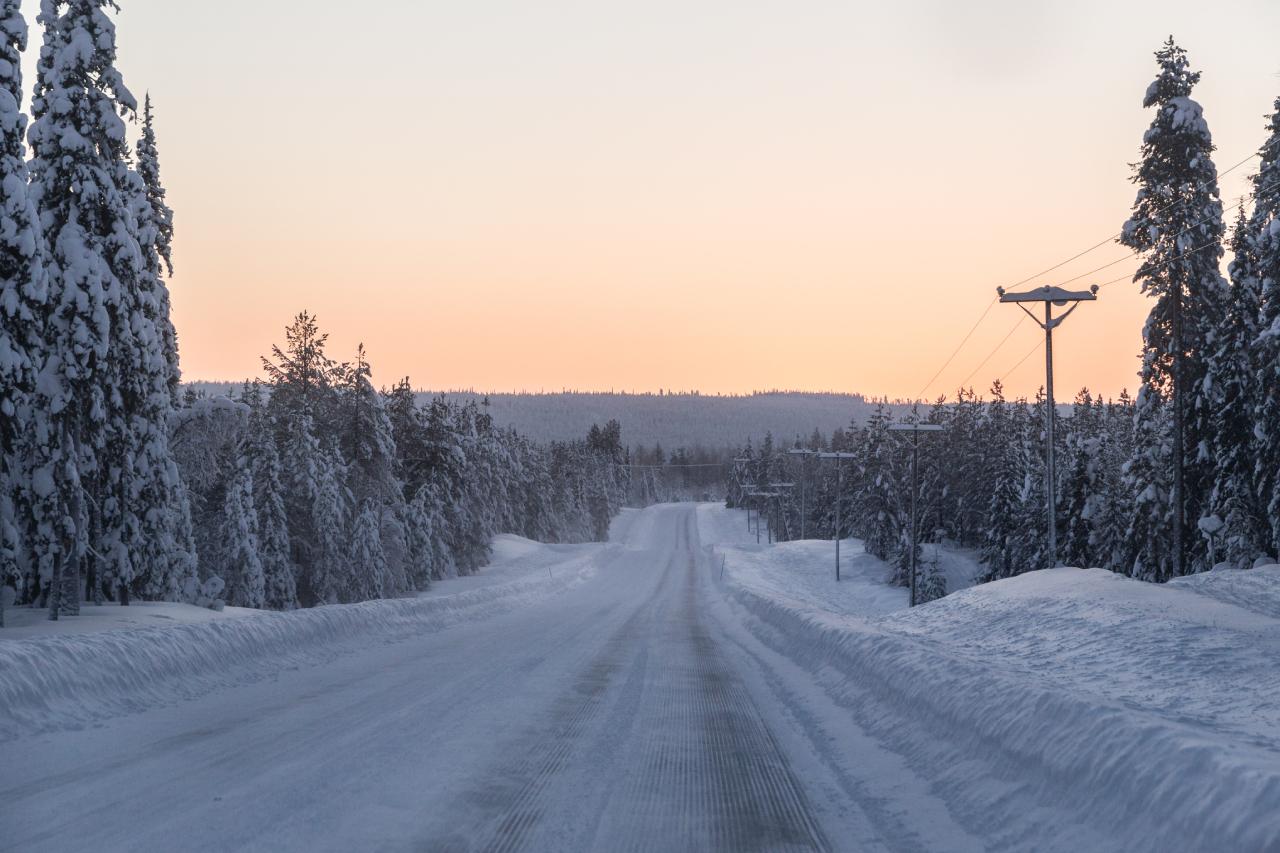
column 610, row 717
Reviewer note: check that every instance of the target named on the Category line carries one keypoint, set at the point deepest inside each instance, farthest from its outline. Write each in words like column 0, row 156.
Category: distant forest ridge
column 678, row 419
column 674, row 419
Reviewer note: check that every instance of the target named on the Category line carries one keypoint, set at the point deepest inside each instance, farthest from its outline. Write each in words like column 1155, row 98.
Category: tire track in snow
column 658, row 738
column 711, row 769
column 510, row 798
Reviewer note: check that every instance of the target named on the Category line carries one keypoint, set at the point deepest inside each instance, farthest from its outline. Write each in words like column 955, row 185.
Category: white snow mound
column 69, row 680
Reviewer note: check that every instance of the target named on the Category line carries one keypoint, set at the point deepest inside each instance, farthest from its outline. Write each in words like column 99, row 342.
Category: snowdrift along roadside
column 1183, row 756
column 70, row 680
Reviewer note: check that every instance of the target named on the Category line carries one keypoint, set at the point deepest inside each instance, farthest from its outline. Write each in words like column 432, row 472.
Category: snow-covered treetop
column 1177, row 200
column 79, row 177
column 1176, row 78
column 161, row 224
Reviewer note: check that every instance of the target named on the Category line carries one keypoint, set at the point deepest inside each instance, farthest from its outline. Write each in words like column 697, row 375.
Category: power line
column 1116, row 236
column 1239, row 201
column 1009, row 334
column 1098, row 245
column 1021, row 360
column 972, row 329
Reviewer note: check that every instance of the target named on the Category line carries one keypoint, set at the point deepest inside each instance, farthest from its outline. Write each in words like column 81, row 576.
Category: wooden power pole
column 1051, row 296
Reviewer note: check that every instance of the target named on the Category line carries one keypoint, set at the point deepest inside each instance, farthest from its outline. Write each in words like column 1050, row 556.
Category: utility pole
column 839, row 457
column 804, row 480
column 1051, row 296
column 915, row 428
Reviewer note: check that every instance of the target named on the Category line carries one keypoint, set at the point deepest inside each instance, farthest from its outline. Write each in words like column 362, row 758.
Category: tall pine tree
column 1232, row 380
column 1176, row 226
column 79, row 185
column 22, row 308
column 1264, row 230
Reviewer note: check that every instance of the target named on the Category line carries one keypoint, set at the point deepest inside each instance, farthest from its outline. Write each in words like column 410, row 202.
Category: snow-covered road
column 679, row 688
column 616, row 715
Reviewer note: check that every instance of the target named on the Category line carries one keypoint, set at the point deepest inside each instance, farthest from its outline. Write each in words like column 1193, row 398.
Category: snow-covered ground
column 1067, row 708
column 677, row 688
column 801, row 572
column 114, row 659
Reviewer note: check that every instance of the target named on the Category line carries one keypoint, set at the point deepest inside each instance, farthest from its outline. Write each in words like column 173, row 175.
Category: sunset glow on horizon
column 722, row 196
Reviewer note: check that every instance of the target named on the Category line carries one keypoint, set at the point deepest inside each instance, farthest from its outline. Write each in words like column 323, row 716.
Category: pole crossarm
column 1056, row 295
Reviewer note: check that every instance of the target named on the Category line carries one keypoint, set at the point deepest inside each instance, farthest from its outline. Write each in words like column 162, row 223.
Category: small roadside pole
column 1051, row 296
column 839, row 457
column 804, row 481
column 915, row 429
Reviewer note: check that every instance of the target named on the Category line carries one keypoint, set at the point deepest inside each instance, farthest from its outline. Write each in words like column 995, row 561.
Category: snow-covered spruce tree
column 368, row 576
column 1264, row 229
column 1176, row 226
column 279, row 586
column 155, row 238
column 22, row 310
column 1004, row 503
column 1148, row 478
column 879, row 502
column 420, row 537
column 366, row 436
column 1232, row 379
column 367, row 440
column 238, row 564
column 1082, row 434
column 317, row 508
column 305, row 406
column 79, row 185
column 1110, row 505
column 1031, row 538
column 965, row 478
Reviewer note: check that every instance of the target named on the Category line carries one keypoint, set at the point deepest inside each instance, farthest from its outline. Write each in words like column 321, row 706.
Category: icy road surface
column 622, row 714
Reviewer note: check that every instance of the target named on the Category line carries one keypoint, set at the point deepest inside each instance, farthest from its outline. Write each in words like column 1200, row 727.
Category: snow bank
column 68, row 680
column 1253, row 589
column 1152, row 710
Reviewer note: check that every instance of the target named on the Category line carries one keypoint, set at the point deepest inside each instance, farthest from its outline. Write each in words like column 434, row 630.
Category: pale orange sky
column 724, row 195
